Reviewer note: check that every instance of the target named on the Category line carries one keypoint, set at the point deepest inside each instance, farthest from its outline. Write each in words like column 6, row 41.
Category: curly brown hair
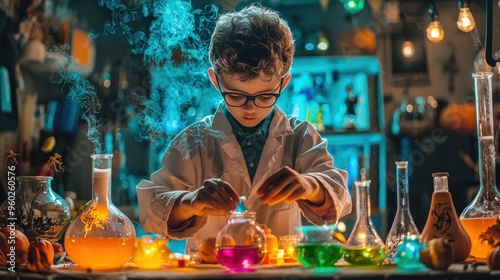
column 254, row 42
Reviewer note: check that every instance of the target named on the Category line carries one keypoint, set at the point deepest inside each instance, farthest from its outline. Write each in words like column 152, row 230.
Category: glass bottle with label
column 442, row 220
column 364, row 245
column 403, row 224
column 479, row 218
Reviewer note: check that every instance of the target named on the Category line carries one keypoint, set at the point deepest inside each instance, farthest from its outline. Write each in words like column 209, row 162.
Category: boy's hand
column 287, row 185
column 214, row 197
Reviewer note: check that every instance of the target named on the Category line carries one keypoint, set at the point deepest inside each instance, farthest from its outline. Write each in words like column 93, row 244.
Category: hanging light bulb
column 407, row 49
column 353, row 6
column 465, row 21
column 435, row 32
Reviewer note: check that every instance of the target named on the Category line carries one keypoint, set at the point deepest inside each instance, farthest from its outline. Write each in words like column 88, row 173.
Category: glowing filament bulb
column 465, row 20
column 435, row 32
column 407, row 49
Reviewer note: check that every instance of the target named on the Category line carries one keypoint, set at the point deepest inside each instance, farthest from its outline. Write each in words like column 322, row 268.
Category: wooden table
column 287, row 272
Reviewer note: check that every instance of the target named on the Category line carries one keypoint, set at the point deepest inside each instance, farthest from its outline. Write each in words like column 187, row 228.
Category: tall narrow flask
column 442, row 220
column 100, row 228
column 479, row 218
column 364, row 246
column 403, row 224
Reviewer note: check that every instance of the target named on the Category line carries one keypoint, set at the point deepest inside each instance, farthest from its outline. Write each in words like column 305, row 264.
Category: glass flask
column 241, row 243
column 318, row 246
column 480, row 216
column 364, row 246
column 39, row 211
column 442, row 220
column 403, row 224
column 100, row 227
column 408, row 253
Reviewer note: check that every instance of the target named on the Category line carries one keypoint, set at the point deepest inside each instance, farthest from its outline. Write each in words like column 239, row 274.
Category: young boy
column 248, row 147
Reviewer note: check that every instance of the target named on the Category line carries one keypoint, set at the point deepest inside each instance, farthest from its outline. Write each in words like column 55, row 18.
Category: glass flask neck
column 485, row 134
column 363, row 207
column 37, row 184
column 402, row 184
column 101, row 177
column 440, row 181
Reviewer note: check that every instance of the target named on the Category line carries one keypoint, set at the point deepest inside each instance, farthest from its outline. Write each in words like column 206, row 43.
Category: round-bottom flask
column 364, row 246
column 479, row 218
column 39, row 212
column 241, row 243
column 101, row 236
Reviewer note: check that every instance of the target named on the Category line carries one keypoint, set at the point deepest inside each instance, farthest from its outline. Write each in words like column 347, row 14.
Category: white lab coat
column 209, row 149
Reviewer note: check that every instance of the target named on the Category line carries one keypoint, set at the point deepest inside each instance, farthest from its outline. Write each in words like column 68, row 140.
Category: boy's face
column 249, row 115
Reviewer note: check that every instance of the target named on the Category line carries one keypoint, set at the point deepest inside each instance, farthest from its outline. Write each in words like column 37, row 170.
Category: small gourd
column 439, row 254
column 40, row 256
column 493, row 259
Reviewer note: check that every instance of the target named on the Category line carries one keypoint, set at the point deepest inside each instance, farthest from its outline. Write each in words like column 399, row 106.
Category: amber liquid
column 474, row 227
column 99, row 253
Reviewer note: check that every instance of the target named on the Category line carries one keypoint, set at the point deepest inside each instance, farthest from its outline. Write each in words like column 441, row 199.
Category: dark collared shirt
column 251, row 144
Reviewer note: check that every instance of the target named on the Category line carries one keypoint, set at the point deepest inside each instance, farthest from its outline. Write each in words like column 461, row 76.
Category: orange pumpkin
column 459, row 118
column 493, row 258
column 40, row 256
column 358, row 40
column 19, row 240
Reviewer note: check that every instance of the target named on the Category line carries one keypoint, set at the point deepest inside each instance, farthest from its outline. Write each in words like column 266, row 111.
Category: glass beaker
column 482, row 213
column 318, row 246
column 403, row 224
column 364, row 246
column 100, row 227
column 241, row 243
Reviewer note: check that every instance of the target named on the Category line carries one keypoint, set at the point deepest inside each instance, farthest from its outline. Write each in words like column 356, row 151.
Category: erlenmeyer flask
column 100, row 227
column 403, row 224
column 482, row 213
column 364, row 246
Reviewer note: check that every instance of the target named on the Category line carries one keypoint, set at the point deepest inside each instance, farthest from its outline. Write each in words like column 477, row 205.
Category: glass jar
column 480, row 217
column 241, row 243
column 318, row 246
column 403, row 224
column 100, row 227
column 364, row 245
column 40, row 212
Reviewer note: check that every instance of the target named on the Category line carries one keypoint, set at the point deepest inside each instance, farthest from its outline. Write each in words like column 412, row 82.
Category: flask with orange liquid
column 100, row 227
column 480, row 216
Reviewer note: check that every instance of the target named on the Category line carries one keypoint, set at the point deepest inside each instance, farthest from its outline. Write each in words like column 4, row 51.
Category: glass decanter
column 403, row 224
column 39, row 211
column 364, row 245
column 480, row 216
column 100, row 227
column 443, row 221
column 241, row 243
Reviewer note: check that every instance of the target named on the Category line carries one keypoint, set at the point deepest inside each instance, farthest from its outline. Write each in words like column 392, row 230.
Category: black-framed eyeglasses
column 262, row 100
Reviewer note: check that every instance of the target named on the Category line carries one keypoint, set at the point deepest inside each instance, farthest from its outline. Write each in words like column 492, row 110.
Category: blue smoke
column 80, row 90
column 175, row 50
